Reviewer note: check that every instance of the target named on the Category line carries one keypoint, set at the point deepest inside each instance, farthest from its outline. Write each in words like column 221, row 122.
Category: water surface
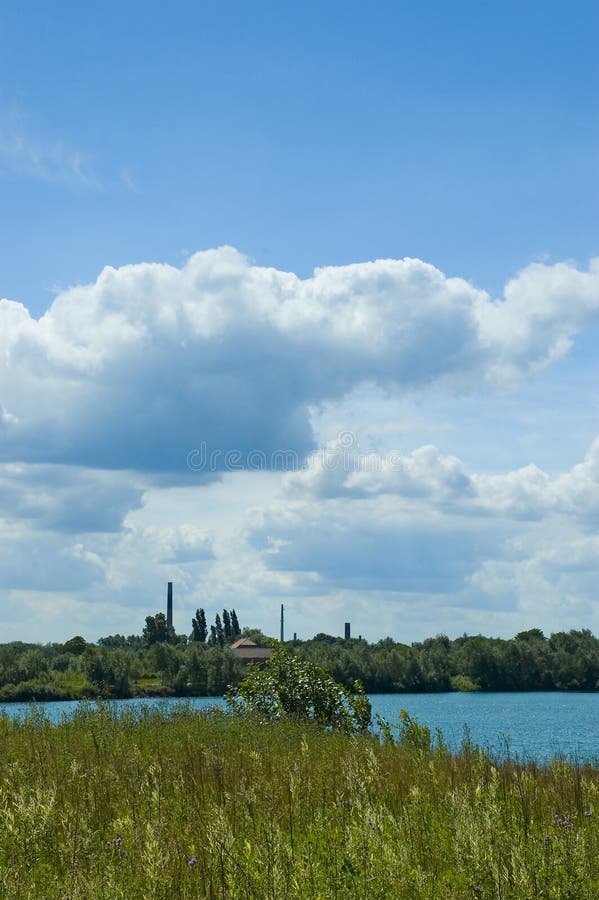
column 534, row 726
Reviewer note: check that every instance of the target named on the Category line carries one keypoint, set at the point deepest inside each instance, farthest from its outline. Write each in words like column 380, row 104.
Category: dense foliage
column 289, row 687
column 161, row 662
column 151, row 806
column 116, row 667
column 529, row 662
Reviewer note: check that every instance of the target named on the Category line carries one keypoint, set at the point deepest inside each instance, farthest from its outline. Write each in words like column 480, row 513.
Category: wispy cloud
column 44, row 160
column 127, row 180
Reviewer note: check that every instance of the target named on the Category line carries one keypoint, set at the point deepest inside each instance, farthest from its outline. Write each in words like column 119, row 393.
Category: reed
column 160, row 804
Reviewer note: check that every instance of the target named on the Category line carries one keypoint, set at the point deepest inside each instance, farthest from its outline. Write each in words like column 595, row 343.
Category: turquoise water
column 535, row 726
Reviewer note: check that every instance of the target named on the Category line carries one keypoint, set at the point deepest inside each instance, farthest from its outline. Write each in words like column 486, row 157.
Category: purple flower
column 116, row 845
column 564, row 821
column 192, row 861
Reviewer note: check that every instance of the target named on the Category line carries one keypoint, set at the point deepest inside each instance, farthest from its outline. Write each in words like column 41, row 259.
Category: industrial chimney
column 169, row 604
column 347, row 631
column 282, row 623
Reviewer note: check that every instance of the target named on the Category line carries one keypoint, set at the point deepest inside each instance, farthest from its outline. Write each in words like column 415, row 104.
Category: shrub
column 289, row 687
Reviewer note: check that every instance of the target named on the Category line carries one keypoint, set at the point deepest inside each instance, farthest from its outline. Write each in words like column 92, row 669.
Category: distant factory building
column 247, row 651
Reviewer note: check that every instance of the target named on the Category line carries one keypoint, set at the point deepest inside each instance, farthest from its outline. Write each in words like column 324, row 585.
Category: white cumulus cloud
column 137, row 369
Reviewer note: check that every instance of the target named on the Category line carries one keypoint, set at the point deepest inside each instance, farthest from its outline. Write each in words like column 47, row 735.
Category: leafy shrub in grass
column 291, row 688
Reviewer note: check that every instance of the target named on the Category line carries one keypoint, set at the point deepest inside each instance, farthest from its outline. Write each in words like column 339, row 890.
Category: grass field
column 166, row 805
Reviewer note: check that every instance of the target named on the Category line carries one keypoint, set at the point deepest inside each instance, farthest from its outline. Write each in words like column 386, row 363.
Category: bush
column 464, row 683
column 289, row 687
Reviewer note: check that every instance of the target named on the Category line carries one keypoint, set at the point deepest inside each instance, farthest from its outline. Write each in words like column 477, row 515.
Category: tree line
column 160, row 662
column 530, row 661
column 157, row 662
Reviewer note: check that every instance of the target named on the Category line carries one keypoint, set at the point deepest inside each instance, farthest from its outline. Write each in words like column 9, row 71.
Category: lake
column 535, row 726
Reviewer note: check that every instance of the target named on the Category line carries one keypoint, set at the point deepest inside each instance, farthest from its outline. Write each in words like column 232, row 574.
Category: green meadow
column 158, row 804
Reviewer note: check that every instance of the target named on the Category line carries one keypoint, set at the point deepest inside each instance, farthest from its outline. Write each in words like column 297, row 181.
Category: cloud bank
column 135, row 370
column 424, row 531
column 103, row 398
column 445, row 483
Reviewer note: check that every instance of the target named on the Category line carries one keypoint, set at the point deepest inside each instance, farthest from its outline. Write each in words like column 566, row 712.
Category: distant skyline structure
column 169, row 604
column 282, row 623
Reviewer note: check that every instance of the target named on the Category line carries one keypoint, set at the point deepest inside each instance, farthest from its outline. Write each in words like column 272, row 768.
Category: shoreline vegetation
column 160, row 663
column 156, row 804
column 288, row 792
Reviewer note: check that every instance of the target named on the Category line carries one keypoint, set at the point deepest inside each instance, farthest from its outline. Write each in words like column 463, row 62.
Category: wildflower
column 563, row 821
column 587, row 813
column 116, row 845
column 192, row 862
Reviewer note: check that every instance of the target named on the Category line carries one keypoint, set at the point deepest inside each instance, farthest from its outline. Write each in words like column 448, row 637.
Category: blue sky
column 304, row 135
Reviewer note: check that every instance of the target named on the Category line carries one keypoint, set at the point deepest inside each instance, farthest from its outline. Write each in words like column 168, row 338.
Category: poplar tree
column 218, row 627
column 235, row 629
column 227, row 625
column 198, row 624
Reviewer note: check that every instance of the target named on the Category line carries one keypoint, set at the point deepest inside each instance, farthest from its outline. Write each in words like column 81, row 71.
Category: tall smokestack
column 282, row 623
column 347, row 631
column 169, row 604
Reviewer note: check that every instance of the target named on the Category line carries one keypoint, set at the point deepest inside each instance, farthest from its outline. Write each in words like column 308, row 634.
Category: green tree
column 167, row 660
column 195, row 669
column 533, row 634
column 76, row 645
column 108, row 670
column 198, row 625
column 221, row 670
column 289, row 687
column 220, row 634
column 156, row 631
column 227, row 625
column 235, row 629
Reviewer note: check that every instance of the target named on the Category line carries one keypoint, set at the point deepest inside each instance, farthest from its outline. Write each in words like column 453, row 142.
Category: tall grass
column 155, row 804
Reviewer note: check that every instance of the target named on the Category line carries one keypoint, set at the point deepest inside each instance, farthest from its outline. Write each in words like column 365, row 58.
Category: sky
column 299, row 303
